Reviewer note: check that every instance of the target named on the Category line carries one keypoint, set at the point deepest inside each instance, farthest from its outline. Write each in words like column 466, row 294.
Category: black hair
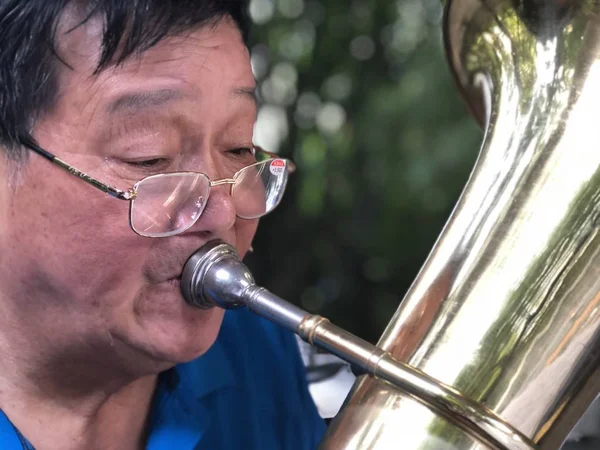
column 29, row 59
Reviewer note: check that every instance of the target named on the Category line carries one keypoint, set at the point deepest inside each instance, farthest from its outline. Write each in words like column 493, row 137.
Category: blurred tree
column 360, row 96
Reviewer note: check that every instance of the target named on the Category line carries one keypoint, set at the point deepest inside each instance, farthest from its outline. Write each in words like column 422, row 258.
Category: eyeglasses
column 168, row 204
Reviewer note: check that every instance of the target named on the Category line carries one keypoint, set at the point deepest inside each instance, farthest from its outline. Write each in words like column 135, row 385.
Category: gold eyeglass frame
column 131, row 194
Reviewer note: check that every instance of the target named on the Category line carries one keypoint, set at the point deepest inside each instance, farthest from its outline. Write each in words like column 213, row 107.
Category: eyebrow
column 246, row 92
column 135, row 101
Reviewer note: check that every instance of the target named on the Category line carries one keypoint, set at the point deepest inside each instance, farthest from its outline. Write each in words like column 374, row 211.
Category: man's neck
column 62, row 395
column 98, row 421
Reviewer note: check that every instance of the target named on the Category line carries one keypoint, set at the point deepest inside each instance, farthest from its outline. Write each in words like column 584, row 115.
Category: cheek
column 72, row 245
column 244, row 233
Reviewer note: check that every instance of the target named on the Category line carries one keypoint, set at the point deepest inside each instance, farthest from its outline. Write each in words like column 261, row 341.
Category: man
column 99, row 350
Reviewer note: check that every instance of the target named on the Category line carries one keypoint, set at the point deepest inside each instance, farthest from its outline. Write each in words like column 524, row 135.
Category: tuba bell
column 496, row 343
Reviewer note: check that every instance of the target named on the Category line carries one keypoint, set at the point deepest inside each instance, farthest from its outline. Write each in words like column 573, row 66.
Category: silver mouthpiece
column 215, row 276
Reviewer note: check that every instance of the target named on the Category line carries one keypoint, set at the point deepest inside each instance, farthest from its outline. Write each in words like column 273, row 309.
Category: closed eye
column 241, row 151
column 148, row 163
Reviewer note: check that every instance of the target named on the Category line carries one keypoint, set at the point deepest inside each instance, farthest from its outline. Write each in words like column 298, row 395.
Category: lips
column 170, row 278
column 174, row 281
column 176, row 278
column 168, row 261
column 167, row 265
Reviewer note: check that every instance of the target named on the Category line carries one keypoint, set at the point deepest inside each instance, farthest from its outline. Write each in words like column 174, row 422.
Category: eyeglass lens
column 168, row 204
column 259, row 188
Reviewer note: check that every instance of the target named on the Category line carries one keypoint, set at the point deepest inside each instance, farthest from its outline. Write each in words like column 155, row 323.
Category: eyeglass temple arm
column 110, row 190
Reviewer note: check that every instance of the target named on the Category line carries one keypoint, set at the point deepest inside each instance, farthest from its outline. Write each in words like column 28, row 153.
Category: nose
column 219, row 214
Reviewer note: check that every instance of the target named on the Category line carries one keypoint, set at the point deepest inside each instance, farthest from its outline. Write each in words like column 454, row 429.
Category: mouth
column 175, row 277
column 170, row 268
column 174, row 281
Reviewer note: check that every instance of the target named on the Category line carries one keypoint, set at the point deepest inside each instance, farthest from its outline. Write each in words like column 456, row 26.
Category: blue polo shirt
column 248, row 392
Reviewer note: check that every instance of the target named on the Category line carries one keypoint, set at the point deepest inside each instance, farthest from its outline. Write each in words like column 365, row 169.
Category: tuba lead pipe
column 215, row 276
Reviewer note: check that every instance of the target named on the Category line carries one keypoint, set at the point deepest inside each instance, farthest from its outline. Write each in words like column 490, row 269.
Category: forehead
column 204, row 63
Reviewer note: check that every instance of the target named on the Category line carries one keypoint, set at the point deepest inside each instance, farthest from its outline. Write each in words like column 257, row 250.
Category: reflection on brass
column 215, row 276
column 506, row 309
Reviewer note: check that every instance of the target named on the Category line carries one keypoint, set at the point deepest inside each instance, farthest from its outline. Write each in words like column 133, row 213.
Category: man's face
column 74, row 276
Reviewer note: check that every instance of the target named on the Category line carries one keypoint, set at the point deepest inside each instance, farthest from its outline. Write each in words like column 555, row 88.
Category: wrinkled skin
column 90, row 311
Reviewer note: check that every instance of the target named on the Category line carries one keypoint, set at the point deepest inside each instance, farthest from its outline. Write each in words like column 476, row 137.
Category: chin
column 192, row 341
column 166, row 329
column 180, row 340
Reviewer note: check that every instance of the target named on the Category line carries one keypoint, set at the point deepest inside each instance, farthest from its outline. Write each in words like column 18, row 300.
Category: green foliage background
column 360, row 96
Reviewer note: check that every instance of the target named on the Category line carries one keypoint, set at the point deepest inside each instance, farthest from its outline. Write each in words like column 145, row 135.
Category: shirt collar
column 179, row 417
column 211, row 372
column 8, row 434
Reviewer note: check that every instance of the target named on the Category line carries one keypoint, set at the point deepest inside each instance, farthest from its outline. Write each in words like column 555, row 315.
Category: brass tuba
column 495, row 346
column 506, row 310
